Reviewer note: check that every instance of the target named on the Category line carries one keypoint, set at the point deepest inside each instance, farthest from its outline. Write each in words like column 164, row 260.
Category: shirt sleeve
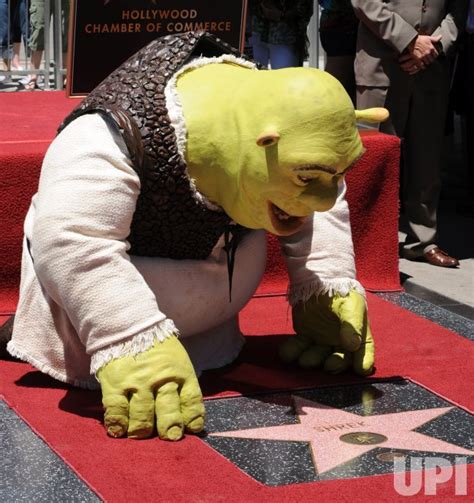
column 320, row 257
column 83, row 212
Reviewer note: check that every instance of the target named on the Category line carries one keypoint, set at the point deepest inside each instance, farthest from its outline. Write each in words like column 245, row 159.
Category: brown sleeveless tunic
column 169, row 221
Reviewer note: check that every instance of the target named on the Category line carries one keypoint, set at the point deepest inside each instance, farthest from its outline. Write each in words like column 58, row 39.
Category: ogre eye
column 304, row 179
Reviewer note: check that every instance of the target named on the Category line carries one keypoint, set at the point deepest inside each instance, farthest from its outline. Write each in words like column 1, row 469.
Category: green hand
column 333, row 332
column 161, row 383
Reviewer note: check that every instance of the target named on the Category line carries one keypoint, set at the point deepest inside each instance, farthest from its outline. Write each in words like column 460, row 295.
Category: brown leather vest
column 168, row 220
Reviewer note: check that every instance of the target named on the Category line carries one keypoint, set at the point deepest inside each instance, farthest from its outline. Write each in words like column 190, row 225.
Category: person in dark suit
column 469, row 97
column 402, row 64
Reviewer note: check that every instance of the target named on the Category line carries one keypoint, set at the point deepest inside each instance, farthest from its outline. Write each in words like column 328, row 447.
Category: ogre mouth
column 283, row 223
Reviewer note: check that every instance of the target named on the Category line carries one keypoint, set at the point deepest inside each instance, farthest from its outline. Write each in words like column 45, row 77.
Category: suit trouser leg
column 470, row 112
column 423, row 148
column 417, row 115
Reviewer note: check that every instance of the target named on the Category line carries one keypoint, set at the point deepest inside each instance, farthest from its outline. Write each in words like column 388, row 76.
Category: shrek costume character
column 166, row 175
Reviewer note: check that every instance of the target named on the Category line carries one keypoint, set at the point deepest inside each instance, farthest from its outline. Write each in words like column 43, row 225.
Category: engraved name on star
column 336, row 436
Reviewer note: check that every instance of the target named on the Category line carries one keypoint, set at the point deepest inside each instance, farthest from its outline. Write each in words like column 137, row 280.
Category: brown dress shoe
column 438, row 257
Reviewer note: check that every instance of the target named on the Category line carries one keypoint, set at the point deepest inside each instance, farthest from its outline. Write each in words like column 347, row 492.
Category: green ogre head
column 270, row 147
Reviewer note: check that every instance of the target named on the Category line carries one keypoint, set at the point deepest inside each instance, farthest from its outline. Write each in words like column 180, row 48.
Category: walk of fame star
column 337, row 436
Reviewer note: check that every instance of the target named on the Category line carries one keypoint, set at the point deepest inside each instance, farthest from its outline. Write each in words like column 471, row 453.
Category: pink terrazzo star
column 323, row 427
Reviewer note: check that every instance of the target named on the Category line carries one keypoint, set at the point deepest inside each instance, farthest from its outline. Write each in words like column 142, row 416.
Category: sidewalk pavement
column 451, row 289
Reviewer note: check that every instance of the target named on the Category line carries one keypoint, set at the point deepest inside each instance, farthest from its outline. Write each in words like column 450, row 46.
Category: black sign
column 104, row 33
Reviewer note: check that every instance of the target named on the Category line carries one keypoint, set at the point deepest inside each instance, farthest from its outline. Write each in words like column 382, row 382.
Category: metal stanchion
column 6, row 52
column 9, row 37
column 313, row 36
column 58, row 45
column 28, row 34
column 47, row 57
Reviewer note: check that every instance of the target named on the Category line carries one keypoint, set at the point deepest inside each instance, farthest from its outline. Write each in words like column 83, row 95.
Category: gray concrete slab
column 31, row 471
column 456, row 286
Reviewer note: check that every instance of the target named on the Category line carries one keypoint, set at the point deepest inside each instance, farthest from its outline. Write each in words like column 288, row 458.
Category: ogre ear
column 268, row 138
column 372, row 114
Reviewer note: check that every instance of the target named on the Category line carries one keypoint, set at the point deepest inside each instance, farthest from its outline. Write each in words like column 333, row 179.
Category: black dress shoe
column 438, row 257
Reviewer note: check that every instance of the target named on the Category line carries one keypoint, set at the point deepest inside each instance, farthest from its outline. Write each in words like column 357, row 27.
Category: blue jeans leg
column 283, row 56
column 4, row 29
column 261, row 53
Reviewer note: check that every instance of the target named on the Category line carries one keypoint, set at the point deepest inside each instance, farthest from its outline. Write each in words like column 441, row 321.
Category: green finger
column 169, row 421
column 364, row 357
column 349, row 339
column 338, row 362
column 192, row 406
column 292, row 348
column 352, row 313
column 142, row 415
column 116, row 414
column 314, row 356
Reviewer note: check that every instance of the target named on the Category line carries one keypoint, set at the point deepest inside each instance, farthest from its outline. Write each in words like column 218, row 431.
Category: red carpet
column 28, row 124
column 189, row 471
